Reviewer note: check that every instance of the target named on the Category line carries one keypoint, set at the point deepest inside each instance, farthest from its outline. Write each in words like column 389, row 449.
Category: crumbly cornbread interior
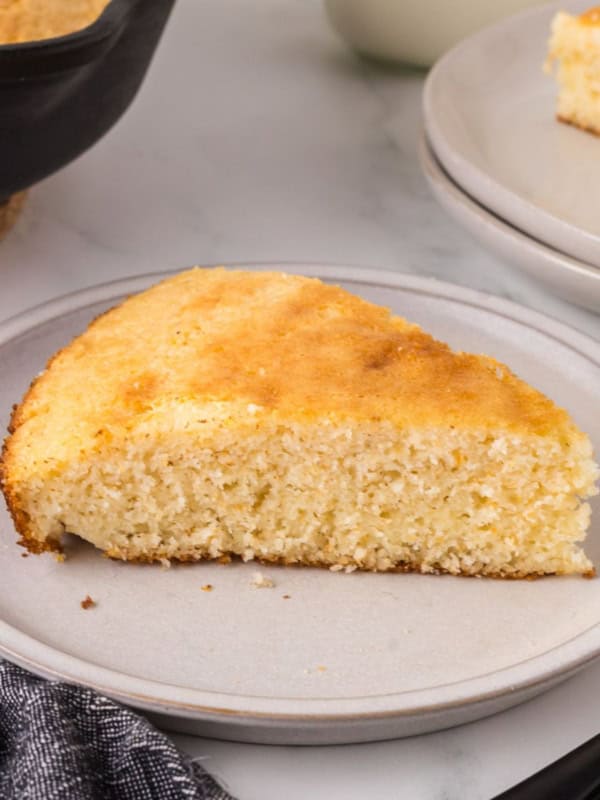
column 33, row 20
column 575, row 46
column 276, row 417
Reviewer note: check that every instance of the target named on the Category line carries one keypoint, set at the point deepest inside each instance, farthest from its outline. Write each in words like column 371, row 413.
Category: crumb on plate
column 260, row 581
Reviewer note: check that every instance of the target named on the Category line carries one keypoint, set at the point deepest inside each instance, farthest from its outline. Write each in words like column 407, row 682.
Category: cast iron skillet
column 575, row 776
column 59, row 96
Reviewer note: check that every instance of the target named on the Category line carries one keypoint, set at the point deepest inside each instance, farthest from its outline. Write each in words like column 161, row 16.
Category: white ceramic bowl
column 414, row 32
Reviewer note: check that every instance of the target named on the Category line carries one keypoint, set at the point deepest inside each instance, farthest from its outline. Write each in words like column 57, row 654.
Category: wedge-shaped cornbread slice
column 274, row 417
column 575, row 45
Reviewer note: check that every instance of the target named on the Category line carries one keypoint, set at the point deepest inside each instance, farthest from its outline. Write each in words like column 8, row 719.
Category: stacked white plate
column 525, row 185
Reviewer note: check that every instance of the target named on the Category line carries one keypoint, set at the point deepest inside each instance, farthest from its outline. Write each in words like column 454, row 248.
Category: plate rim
column 562, row 266
column 509, row 204
column 156, row 696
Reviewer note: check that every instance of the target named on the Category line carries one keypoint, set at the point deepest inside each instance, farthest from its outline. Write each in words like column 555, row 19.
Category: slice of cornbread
column 275, row 417
column 33, row 20
column 575, row 45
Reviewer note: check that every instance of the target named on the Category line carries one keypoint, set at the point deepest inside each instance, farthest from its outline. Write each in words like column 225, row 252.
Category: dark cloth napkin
column 64, row 742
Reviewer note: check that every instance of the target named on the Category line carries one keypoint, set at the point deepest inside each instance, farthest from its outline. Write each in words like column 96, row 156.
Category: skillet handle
column 575, row 776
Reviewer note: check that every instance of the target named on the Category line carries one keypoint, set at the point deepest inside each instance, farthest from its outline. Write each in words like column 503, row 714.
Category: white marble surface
column 258, row 137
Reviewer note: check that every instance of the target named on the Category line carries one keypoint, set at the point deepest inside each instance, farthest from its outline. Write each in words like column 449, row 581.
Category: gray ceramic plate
column 346, row 658
column 566, row 277
column 490, row 114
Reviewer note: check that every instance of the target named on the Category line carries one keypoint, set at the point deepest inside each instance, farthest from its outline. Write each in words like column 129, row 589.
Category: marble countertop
column 258, row 137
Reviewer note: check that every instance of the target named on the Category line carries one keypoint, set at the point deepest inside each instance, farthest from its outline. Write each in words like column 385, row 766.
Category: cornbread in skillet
column 10, row 211
column 33, row 20
column 274, row 417
column 575, row 45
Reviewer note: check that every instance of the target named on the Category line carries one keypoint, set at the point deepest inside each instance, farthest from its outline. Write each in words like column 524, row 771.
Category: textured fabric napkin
column 59, row 741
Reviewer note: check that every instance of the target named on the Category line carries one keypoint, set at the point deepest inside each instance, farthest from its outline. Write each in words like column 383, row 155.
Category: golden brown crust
column 157, row 558
column 289, row 345
column 574, row 124
column 591, row 17
column 22, row 523
column 19, row 518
